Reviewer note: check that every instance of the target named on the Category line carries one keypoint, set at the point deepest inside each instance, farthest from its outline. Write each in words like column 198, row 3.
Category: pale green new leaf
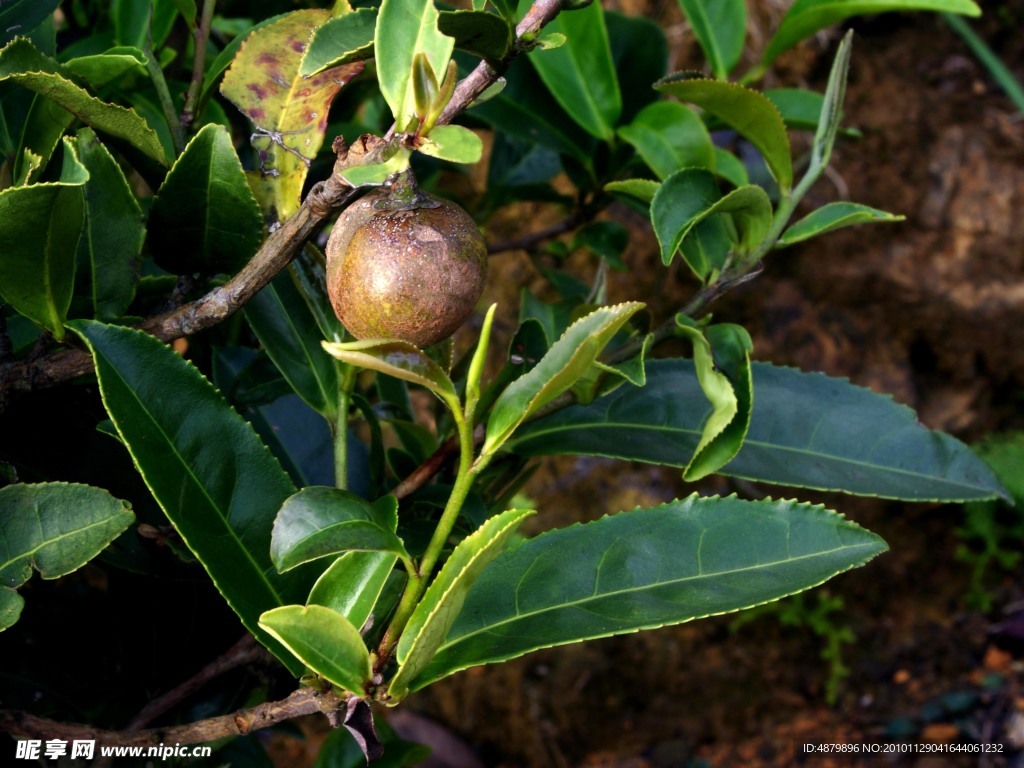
column 744, row 110
column 440, row 606
column 565, row 362
column 319, row 521
column 805, row 17
column 641, row 189
column 833, row 216
column 352, row 584
column 323, row 640
column 205, row 466
column 40, row 225
column 405, row 28
column 395, row 358
column 53, row 528
column 720, row 27
column 646, row 569
column 453, row 143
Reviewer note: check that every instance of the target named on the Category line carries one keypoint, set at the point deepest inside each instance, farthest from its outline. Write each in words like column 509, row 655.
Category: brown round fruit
column 399, row 272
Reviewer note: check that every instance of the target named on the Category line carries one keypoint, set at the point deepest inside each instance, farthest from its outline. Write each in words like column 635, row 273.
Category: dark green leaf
column 287, row 330
column 807, row 430
column 478, row 32
column 23, row 64
column 669, row 136
column 40, row 225
column 440, row 606
column 205, row 218
column 805, row 17
column 833, row 216
column 746, row 111
column 187, row 8
column 580, row 74
column 608, row 239
column 341, row 40
column 19, row 17
column 706, row 246
column 720, row 27
column 54, row 528
column 114, row 231
column 568, row 359
column 214, row 479
column 319, row 521
column 640, row 53
column 139, row 21
column 324, row 641
column 799, row 107
column 645, row 569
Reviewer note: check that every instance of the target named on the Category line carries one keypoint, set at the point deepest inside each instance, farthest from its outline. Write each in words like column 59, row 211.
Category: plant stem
column 419, row 580
column 988, row 57
column 199, row 36
column 346, row 381
column 164, row 95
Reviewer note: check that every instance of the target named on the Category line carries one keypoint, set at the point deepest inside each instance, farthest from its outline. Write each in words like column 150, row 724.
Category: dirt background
column 930, row 310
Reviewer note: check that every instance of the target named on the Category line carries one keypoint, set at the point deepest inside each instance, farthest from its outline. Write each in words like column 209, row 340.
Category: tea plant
column 134, row 213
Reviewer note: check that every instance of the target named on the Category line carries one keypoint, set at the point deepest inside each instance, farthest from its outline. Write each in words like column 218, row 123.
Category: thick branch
column 304, row 701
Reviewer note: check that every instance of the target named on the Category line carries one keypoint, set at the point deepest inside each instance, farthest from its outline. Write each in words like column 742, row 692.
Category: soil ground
column 930, row 310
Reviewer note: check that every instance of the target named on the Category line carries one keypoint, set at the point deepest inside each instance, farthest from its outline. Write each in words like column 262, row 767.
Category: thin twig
column 528, row 241
column 245, row 651
column 304, row 701
column 199, row 36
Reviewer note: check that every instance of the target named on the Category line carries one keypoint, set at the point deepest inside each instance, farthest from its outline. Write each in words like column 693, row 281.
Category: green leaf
column 319, row 521
column 187, row 8
column 405, row 28
column 608, row 239
column 54, row 528
column 581, row 74
column 104, row 68
column 341, row 40
column 323, row 640
column 478, row 32
column 395, row 358
column 807, row 430
column 566, row 361
column 640, row 53
column 11, row 604
column 742, row 109
column 730, row 168
column 114, row 231
column 216, row 482
column 646, row 569
column 526, row 110
column 691, row 195
column 352, row 585
column 454, row 144
column 23, row 64
column 721, row 356
column 801, row 108
column 40, row 225
column 706, row 246
column 19, row 17
column 641, row 189
column 138, row 21
column 805, row 17
column 669, row 136
column 720, row 27
column 830, row 217
column 205, row 218
column 288, row 331
column 289, row 112
column 440, row 605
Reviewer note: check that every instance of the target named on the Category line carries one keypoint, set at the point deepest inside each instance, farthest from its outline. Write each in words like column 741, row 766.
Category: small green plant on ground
column 992, row 530
column 402, row 563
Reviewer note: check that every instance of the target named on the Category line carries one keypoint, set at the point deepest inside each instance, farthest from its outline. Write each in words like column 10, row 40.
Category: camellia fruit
column 403, row 264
